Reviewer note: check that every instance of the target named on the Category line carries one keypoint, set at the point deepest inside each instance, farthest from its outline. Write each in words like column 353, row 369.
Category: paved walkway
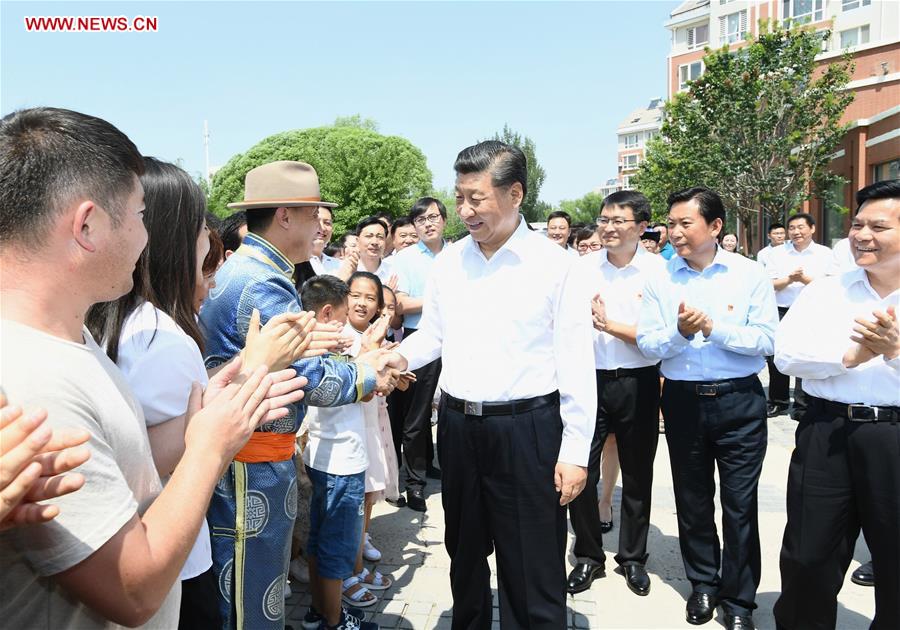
column 414, row 555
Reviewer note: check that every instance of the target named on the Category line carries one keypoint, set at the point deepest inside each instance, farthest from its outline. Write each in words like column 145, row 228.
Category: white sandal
column 379, row 582
column 361, row 597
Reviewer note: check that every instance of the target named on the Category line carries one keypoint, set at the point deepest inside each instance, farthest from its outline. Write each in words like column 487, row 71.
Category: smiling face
column 490, row 214
column 558, row 230
column 362, row 302
column 729, row 242
column 875, row 236
column 588, row 245
column 621, row 231
column 800, row 232
column 404, row 236
column 323, row 234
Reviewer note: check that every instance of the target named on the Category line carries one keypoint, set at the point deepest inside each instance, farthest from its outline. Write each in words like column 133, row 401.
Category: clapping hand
column 348, row 265
column 285, row 387
column 35, row 465
column 691, row 321
column 878, row 337
column 375, row 333
column 282, row 341
column 598, row 313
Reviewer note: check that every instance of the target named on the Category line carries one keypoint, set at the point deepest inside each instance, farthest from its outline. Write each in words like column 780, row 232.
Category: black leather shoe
column 637, row 579
column 415, row 500
column 606, row 526
column 582, row 576
column 864, row 575
column 739, row 622
column 700, row 608
column 773, row 410
column 399, row 502
column 433, row 473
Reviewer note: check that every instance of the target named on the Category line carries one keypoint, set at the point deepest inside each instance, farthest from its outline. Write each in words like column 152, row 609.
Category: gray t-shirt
column 79, row 387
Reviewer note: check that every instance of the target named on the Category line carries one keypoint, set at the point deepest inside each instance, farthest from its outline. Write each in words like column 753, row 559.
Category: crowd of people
column 195, row 409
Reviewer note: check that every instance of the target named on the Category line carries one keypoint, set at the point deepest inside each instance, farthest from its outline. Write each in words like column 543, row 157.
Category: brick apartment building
column 869, row 29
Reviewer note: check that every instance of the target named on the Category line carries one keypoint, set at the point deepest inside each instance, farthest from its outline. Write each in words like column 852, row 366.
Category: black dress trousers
column 843, row 475
column 498, row 493
column 627, row 405
column 718, row 425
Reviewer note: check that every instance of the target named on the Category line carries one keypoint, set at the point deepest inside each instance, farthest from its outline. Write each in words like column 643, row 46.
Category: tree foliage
column 361, row 170
column 583, row 210
column 759, row 127
column 536, row 172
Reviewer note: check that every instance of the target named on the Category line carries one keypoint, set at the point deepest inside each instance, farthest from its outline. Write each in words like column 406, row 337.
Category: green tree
column 759, row 127
column 362, row 171
column 356, row 121
column 536, row 172
column 583, row 210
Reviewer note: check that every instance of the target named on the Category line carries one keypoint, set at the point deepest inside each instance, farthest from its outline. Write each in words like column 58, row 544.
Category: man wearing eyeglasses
column 627, row 395
column 413, row 267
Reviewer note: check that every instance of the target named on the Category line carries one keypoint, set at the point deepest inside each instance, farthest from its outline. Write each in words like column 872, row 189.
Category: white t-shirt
column 337, row 439
column 79, row 387
column 160, row 361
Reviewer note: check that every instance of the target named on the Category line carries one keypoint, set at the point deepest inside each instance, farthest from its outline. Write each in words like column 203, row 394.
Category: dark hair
column 366, row 275
column 259, row 219
column 302, row 272
column 322, row 290
column 216, row 252
column 421, row 207
column 660, row 225
column 51, row 157
column 332, row 249
column 367, row 222
column 775, row 226
column 231, row 230
column 399, row 223
column 651, row 235
column 342, row 242
column 639, row 204
column 213, row 222
column 889, row 189
column 560, row 214
column 801, row 215
column 166, row 272
column 584, row 234
column 709, row 202
column 506, row 162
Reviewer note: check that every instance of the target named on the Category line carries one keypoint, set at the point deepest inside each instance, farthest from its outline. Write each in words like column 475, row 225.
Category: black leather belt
column 856, row 412
column 506, row 408
column 620, row 372
column 712, row 389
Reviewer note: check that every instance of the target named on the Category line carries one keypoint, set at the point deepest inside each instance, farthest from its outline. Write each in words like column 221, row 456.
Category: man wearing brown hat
column 252, row 512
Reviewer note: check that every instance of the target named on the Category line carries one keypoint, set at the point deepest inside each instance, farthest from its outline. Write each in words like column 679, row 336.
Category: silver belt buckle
column 862, row 413
column 472, row 408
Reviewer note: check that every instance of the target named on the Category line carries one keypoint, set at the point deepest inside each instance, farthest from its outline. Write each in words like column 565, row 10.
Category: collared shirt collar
column 425, row 250
column 261, row 245
column 515, row 243
column 722, row 258
column 635, row 261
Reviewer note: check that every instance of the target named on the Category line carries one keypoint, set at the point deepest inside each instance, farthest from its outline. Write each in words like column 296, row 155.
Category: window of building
column 697, row 36
column 631, row 141
column 849, row 5
column 689, row 72
column 626, row 182
column 886, row 171
column 824, row 36
column 630, row 161
column 803, row 11
column 834, row 215
column 733, row 27
column 855, row 37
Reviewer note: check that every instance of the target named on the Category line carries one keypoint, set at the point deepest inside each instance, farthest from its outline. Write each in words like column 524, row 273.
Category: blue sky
column 442, row 75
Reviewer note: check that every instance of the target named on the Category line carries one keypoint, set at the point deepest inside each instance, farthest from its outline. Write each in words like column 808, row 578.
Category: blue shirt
column 413, row 267
column 667, row 251
column 258, row 276
column 736, row 293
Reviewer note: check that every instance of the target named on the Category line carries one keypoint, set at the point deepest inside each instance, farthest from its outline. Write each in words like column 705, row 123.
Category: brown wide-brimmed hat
column 283, row 184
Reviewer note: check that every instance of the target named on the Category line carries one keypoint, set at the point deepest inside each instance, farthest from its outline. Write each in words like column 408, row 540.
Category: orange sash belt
column 267, row 447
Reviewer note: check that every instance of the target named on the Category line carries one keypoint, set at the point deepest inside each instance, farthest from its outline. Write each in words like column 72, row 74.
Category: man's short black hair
column 639, row 204
column 584, row 234
column 775, row 226
column 259, row 219
column 370, row 221
column 398, row 223
column 51, row 157
column 802, row 215
column 421, row 207
column 231, row 230
column 506, row 162
column 322, row 290
column 560, row 214
column 709, row 202
column 342, row 242
column 889, row 189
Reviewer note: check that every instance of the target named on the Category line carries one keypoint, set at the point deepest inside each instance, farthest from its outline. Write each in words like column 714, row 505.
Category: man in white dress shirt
column 842, row 337
column 711, row 319
column 627, row 394
column 792, row 267
column 509, row 313
column 776, row 239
